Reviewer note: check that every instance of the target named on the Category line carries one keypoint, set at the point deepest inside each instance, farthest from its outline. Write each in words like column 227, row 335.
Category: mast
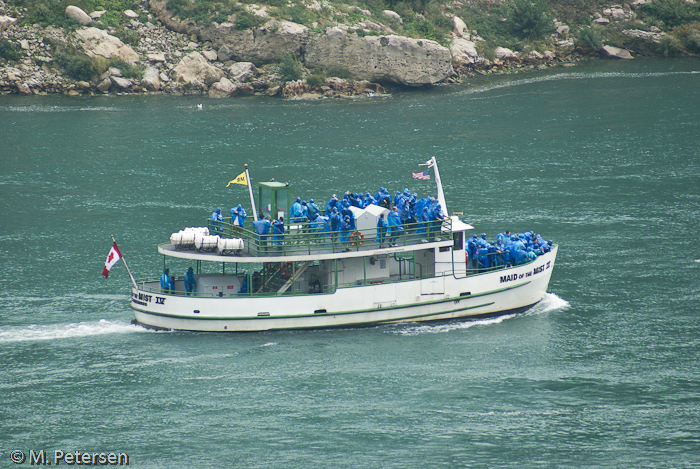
column 432, row 163
column 250, row 192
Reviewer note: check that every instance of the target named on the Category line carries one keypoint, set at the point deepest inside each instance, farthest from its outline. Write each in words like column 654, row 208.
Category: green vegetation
column 316, row 79
column 590, row 38
column 531, row 19
column 75, row 64
column 10, row 50
column 672, row 13
column 52, row 12
column 290, row 67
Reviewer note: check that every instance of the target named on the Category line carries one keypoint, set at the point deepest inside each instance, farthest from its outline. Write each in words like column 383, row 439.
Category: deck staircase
column 277, row 282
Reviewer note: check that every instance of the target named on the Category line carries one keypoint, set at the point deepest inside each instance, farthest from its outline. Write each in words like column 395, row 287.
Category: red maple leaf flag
column 112, row 258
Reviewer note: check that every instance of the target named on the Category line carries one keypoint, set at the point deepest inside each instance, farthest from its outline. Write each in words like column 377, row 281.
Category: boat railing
column 500, row 260
column 253, row 289
column 306, row 238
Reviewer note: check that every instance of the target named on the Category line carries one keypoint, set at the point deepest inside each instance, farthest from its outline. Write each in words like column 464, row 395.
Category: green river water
column 602, row 158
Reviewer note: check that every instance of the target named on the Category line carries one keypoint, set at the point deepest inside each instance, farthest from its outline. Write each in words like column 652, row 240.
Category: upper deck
column 313, row 241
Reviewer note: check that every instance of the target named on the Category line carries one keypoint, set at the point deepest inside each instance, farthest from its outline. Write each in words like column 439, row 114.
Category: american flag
column 423, row 175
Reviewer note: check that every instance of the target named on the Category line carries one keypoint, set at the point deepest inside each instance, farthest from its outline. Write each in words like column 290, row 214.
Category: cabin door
column 432, row 286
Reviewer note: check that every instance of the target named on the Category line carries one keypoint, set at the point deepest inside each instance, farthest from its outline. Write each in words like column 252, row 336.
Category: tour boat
column 312, row 277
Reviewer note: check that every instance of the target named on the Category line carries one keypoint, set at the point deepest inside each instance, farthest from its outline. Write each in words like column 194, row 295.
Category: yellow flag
column 240, row 179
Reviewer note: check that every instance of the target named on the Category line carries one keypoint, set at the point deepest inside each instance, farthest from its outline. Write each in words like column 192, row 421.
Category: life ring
column 357, row 239
column 283, row 269
column 466, row 255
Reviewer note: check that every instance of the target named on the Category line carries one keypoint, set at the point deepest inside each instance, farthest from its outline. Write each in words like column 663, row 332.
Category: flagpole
column 126, row 266
column 250, row 192
column 432, row 163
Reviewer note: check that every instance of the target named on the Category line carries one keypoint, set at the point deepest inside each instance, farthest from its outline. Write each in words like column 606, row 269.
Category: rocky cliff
column 167, row 53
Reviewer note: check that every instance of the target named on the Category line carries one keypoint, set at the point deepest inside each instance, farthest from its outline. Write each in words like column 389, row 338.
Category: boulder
column 261, row 45
column 6, row 22
column 397, row 59
column 392, row 16
column 615, row 52
column 122, row 83
column 131, row 14
column 502, row 53
column 98, row 42
column 158, row 57
column 105, row 85
column 459, row 27
column 210, row 55
column 78, row 15
column 463, row 51
column 151, row 79
column 225, row 53
column 242, row 71
column 222, row 88
column 195, row 69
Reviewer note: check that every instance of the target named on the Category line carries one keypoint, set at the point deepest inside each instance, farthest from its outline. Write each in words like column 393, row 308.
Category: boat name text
column 535, row 271
column 143, row 299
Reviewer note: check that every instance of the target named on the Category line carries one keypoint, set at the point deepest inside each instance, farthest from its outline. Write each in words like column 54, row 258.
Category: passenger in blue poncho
column 166, row 284
column 296, row 211
column 190, row 283
column 238, row 215
column 262, row 230
column 331, row 204
column 423, row 221
column 244, row 285
column 217, row 220
column 278, row 227
column 313, row 211
column 381, row 230
column 472, row 246
column 345, row 231
column 334, row 224
column 395, row 228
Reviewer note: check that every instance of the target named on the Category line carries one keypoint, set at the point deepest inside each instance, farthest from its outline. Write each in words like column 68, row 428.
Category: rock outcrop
column 196, row 70
column 78, row 15
column 615, row 52
column 6, row 22
column 260, row 45
column 98, row 42
column 396, row 59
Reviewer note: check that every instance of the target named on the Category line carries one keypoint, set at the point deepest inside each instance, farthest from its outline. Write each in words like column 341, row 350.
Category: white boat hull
column 429, row 299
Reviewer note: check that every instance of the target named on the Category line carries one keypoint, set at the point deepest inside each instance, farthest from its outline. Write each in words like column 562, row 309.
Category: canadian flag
column 112, row 258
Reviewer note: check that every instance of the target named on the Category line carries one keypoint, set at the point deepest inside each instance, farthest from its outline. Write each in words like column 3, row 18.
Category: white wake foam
column 519, row 81
column 65, row 331
column 550, row 302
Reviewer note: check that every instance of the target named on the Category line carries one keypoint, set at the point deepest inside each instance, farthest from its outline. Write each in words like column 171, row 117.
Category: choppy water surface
column 601, row 158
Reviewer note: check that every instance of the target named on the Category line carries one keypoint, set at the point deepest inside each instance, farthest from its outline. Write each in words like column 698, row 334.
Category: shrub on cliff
column 531, row 19
column 75, row 64
column 672, row 12
column 290, row 67
column 590, row 38
column 10, row 50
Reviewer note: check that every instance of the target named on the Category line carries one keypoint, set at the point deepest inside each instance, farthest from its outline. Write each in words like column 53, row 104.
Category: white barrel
column 182, row 239
column 197, row 229
column 205, row 243
column 176, row 238
column 228, row 245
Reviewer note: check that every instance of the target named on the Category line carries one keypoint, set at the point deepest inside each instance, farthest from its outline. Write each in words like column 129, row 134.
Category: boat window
column 458, row 240
column 444, row 248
